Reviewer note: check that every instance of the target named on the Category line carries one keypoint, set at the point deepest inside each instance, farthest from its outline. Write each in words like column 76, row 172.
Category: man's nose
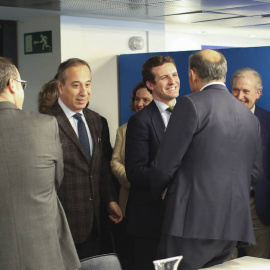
column 171, row 79
column 83, row 90
column 240, row 95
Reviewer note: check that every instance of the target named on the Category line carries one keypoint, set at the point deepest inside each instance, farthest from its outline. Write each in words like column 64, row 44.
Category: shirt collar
column 253, row 109
column 162, row 106
column 68, row 112
column 211, row 84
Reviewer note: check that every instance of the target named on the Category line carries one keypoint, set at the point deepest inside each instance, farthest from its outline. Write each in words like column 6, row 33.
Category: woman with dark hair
column 48, row 95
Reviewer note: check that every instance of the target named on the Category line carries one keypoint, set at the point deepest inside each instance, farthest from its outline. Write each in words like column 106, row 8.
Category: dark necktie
column 170, row 109
column 84, row 140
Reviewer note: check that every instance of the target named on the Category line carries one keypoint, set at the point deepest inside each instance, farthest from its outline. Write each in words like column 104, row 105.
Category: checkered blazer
column 84, row 185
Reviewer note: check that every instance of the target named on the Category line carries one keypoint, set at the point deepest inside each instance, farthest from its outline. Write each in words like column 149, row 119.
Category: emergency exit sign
column 38, row 42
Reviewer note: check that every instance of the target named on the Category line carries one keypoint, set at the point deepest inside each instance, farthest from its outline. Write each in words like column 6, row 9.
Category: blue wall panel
column 130, row 72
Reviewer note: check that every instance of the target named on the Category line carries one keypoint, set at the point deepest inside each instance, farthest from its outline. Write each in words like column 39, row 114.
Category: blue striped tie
column 83, row 137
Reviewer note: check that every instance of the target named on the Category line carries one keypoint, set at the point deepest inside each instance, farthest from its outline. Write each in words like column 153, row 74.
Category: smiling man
column 84, row 136
column 144, row 134
column 210, row 154
column 247, row 88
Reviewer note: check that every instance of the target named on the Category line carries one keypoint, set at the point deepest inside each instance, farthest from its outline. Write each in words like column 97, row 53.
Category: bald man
column 210, row 154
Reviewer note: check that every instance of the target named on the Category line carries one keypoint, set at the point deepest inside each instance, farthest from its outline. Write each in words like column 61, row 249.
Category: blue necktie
column 84, row 140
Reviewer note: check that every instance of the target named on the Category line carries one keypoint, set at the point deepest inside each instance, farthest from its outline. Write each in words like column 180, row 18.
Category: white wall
column 187, row 37
column 37, row 69
column 99, row 42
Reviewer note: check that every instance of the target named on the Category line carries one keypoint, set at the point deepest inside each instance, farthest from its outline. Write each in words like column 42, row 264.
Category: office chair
column 101, row 262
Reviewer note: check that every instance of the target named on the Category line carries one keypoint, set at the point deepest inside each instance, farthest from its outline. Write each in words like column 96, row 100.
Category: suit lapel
column 156, row 119
column 258, row 112
column 65, row 125
column 93, row 127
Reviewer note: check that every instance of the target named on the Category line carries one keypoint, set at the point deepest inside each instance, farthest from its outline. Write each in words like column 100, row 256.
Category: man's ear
column 11, row 86
column 150, row 85
column 259, row 93
column 193, row 75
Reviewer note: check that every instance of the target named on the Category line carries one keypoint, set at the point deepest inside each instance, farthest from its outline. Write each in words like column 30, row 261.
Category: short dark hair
column 7, row 71
column 133, row 94
column 245, row 71
column 47, row 95
column 208, row 70
column 155, row 61
column 72, row 62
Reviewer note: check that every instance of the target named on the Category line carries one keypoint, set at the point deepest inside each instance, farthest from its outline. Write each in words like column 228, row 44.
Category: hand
column 115, row 212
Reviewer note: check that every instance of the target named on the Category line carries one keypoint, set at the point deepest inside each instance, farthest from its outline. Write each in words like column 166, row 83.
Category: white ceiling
column 252, row 16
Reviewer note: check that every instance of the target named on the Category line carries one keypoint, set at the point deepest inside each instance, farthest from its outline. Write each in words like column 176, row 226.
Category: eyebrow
column 80, row 82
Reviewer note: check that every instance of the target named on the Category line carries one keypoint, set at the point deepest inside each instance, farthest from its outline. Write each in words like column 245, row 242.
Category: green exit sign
column 38, row 42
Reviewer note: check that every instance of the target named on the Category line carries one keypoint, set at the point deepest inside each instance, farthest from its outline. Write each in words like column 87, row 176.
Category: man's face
column 167, row 83
column 19, row 97
column 244, row 89
column 76, row 91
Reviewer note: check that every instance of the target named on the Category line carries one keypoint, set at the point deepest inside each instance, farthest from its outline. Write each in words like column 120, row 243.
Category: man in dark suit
column 210, row 154
column 84, row 136
column 247, row 87
column 144, row 133
column 34, row 231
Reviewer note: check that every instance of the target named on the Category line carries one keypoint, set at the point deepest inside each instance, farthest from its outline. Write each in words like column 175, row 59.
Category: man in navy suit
column 145, row 131
column 209, row 155
column 247, row 87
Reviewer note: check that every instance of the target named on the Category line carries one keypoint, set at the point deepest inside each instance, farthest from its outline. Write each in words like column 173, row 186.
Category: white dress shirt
column 162, row 109
column 74, row 122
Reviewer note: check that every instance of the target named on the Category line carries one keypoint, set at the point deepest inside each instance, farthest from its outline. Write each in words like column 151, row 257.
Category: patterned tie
column 84, row 140
column 170, row 109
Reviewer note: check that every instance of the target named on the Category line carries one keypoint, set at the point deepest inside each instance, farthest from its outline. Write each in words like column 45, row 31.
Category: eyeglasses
column 24, row 83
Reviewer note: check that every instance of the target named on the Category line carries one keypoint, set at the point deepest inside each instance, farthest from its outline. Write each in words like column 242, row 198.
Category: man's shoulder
column 145, row 117
column 38, row 117
column 90, row 113
column 148, row 110
column 260, row 111
column 94, row 117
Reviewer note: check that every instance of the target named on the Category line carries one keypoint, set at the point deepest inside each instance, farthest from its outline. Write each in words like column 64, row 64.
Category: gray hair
column 246, row 71
column 7, row 71
column 207, row 69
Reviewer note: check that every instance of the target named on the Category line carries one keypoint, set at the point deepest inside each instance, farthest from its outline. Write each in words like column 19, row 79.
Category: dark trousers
column 144, row 252
column 197, row 253
column 122, row 243
column 91, row 246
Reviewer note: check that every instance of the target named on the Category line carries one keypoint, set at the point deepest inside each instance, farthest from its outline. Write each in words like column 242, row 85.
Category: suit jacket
column 118, row 166
column 34, row 231
column 210, row 154
column 262, row 189
column 84, row 185
column 144, row 133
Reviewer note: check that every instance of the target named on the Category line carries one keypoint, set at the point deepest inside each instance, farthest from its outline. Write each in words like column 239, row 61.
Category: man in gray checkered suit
column 87, row 175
